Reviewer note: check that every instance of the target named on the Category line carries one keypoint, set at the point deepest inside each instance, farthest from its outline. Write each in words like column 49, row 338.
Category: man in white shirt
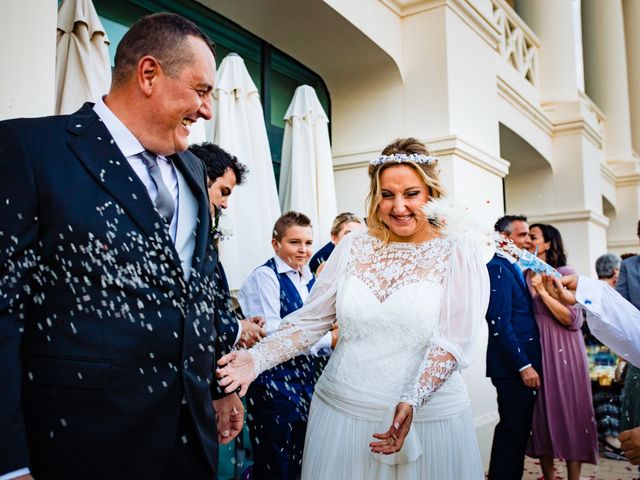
column 107, row 343
column 278, row 400
column 612, row 320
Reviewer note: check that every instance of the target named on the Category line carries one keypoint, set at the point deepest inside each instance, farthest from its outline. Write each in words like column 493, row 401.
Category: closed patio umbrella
column 306, row 176
column 238, row 127
column 83, row 69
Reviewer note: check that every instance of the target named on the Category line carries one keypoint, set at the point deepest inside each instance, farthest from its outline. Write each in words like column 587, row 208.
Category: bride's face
column 404, row 193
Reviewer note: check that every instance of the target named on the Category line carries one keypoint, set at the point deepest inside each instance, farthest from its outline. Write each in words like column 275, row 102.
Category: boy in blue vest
column 278, row 400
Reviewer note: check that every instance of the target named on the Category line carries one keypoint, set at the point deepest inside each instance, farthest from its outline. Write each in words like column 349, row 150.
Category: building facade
column 529, row 104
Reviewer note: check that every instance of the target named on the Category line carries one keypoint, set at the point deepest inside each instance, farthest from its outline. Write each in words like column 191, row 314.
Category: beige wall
column 27, row 58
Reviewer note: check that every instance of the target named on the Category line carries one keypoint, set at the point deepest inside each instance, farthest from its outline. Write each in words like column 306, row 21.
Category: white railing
column 518, row 45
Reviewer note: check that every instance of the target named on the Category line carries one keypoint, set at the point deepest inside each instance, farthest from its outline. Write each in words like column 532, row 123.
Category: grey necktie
column 164, row 200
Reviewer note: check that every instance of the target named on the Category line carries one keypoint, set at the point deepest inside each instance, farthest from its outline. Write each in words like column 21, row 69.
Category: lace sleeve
column 437, row 365
column 304, row 327
column 465, row 299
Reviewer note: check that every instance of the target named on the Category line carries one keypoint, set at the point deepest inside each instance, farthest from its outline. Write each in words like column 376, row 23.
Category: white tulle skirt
column 342, row 421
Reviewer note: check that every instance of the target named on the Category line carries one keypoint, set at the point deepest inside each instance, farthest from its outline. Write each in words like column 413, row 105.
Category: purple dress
column 563, row 423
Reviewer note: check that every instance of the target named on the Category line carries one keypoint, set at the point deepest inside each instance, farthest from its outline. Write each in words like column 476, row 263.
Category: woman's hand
column 392, row 440
column 237, row 371
column 536, row 283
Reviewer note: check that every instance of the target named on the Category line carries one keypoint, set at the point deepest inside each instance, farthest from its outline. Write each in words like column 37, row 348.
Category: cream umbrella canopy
column 306, row 176
column 238, row 127
column 83, row 69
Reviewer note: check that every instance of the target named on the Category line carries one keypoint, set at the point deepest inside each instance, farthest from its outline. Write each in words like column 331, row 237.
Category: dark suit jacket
column 100, row 336
column 227, row 324
column 321, row 256
column 629, row 281
column 514, row 339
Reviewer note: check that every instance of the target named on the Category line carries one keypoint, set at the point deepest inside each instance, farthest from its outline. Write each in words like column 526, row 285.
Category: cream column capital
column 631, row 12
column 605, row 64
column 553, row 22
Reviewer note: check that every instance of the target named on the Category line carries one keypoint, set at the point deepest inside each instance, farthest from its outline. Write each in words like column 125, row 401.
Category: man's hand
column 229, row 417
column 630, row 440
column 392, row 440
column 335, row 334
column 536, row 283
column 562, row 289
column 530, row 377
column 252, row 332
column 23, row 477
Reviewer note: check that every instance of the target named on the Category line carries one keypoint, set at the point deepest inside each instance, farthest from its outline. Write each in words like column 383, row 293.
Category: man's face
column 180, row 101
column 520, row 234
column 295, row 247
column 220, row 189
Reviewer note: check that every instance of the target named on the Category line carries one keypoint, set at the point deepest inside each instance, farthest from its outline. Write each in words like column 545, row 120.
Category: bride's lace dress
column 409, row 315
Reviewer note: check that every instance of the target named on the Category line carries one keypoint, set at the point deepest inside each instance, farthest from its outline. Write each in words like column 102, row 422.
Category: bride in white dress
column 409, row 301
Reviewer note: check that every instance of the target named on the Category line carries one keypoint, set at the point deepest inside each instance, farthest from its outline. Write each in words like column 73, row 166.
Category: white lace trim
column 386, row 268
column 437, row 365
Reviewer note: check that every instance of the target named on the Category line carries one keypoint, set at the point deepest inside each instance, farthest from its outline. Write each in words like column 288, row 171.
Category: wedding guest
column 629, row 287
column 343, row 224
column 608, row 268
column 563, row 423
column 616, row 323
column 607, row 402
column 409, row 298
column 278, row 401
column 224, row 173
column 513, row 353
column 106, row 263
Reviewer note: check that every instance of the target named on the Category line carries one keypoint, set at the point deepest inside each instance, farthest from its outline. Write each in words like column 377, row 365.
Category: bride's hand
column 236, row 370
column 393, row 439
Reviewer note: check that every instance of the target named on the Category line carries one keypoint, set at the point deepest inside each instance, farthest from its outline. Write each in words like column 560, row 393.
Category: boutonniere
column 221, row 226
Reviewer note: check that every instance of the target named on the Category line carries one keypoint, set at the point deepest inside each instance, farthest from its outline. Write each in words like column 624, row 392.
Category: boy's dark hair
column 503, row 225
column 217, row 160
column 287, row 221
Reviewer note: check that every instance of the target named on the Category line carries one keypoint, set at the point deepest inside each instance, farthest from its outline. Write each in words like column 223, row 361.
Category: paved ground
column 607, row 469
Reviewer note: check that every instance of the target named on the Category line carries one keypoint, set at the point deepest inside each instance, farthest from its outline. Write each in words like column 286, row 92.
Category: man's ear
column 147, row 73
column 274, row 244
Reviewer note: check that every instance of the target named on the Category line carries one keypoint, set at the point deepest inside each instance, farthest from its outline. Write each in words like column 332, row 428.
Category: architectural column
column 631, row 12
column 28, row 58
column 572, row 199
column 605, row 63
column 553, row 22
column 607, row 83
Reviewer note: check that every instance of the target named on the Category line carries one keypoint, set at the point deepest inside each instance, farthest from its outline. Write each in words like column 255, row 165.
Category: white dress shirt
column 611, row 318
column 131, row 148
column 260, row 295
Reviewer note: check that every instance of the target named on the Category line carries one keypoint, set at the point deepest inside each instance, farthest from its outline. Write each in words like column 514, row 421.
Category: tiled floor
column 607, row 469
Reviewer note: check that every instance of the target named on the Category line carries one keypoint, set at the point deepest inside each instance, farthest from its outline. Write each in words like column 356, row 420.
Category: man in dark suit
column 629, row 280
column 107, row 339
column 513, row 354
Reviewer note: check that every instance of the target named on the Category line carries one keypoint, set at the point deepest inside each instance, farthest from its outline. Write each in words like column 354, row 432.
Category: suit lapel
column 92, row 144
column 95, row 148
column 193, row 172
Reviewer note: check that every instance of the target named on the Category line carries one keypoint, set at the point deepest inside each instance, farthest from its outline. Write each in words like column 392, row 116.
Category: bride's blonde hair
column 429, row 173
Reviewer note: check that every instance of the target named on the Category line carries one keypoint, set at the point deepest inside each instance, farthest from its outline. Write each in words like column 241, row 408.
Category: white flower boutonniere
column 222, row 226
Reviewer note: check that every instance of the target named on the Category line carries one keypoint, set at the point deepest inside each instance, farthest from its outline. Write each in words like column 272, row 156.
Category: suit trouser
column 277, row 434
column 515, row 406
column 187, row 460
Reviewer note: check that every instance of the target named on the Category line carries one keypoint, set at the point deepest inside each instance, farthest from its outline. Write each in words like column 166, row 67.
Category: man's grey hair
column 605, row 265
column 503, row 225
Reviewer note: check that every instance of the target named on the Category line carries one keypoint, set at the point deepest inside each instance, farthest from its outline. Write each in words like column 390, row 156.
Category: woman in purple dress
column 563, row 424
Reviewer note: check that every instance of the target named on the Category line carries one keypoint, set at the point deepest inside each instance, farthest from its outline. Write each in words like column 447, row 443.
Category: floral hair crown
column 404, row 158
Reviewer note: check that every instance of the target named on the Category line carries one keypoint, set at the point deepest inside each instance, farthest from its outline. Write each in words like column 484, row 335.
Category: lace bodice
column 386, row 268
column 401, row 334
